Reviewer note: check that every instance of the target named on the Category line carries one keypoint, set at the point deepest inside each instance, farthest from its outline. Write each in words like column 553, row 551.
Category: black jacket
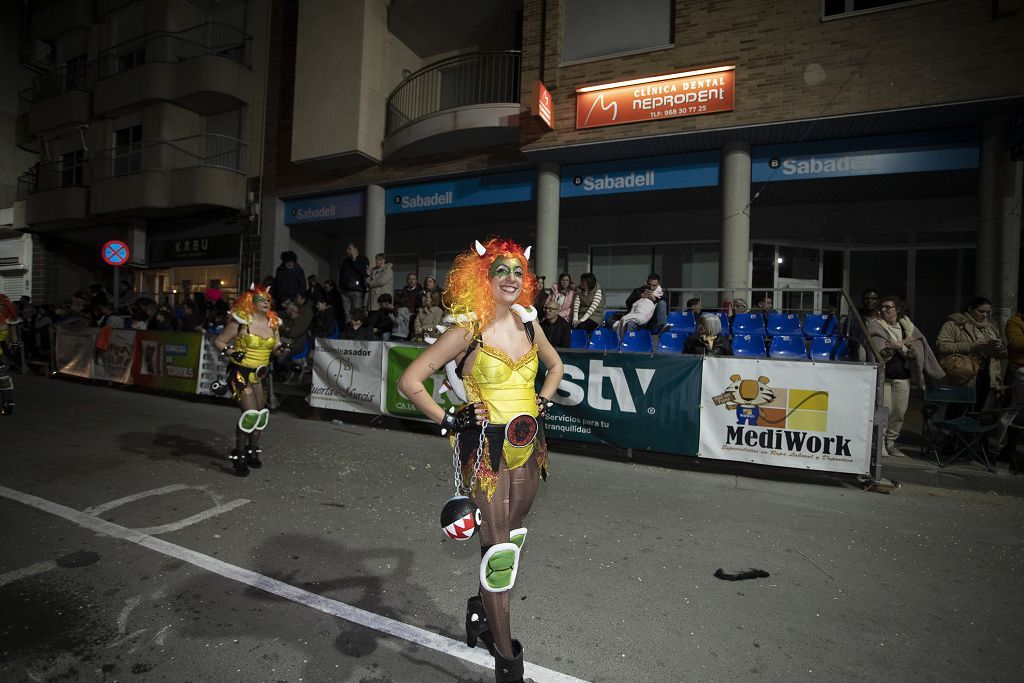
column 720, row 347
column 353, row 274
column 288, row 282
column 559, row 333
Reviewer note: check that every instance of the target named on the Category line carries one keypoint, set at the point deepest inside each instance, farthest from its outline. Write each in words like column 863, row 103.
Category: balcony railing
column 465, row 80
column 163, row 46
column 27, row 184
column 58, row 82
column 217, row 151
column 69, row 172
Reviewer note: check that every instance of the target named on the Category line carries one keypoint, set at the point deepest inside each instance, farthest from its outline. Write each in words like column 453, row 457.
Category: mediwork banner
column 112, row 361
column 806, row 415
column 167, row 360
column 74, row 350
column 628, row 400
column 347, row 375
column 397, row 358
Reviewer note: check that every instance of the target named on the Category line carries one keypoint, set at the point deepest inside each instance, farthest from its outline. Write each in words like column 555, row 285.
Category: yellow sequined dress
column 255, row 366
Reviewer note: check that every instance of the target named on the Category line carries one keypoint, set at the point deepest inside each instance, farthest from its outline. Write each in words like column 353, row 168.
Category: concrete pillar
column 375, row 219
column 988, row 209
column 546, row 249
column 1010, row 186
column 734, row 262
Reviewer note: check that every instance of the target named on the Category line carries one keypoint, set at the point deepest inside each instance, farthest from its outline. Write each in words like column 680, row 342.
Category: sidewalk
column 921, row 469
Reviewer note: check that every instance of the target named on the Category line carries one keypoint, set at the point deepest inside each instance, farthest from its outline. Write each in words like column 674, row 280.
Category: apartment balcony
column 57, row 100
column 458, row 103
column 204, row 69
column 56, row 196
column 54, row 17
column 161, row 177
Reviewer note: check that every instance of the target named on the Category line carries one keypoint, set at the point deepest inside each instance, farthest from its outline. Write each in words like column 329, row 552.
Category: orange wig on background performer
column 245, row 306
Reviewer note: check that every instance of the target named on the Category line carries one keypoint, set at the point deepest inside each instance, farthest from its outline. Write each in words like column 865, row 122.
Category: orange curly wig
column 7, row 309
column 244, row 304
column 469, row 287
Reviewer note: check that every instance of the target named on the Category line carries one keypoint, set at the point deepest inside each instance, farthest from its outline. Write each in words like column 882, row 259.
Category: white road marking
column 24, row 572
column 336, row 608
column 205, row 514
column 122, row 618
column 97, row 510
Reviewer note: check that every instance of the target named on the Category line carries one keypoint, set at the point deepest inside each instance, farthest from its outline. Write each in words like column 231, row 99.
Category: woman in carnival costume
column 250, row 337
column 491, row 359
column 9, row 338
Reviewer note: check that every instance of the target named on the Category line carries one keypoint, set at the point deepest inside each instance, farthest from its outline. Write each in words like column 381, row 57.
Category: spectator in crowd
column 708, row 339
column 430, row 285
column 588, row 305
column 563, row 294
column 212, row 292
column 868, row 310
column 765, row 306
column 409, row 298
column 542, row 294
column 381, row 280
column 429, row 316
column 908, row 359
column 298, row 322
column 214, row 320
column 324, row 320
column 290, row 278
column 694, row 306
column 315, row 291
column 352, row 279
column 382, row 321
column 357, row 329
column 640, row 313
column 126, row 296
column 1014, row 380
column 163, row 320
column 556, row 328
column 192, row 320
column 970, row 352
column 334, row 298
column 656, row 322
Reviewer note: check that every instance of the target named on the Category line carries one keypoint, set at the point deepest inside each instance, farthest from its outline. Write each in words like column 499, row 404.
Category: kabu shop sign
column 692, row 93
column 195, row 249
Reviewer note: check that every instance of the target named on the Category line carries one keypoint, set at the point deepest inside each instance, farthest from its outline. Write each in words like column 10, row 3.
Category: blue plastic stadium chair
column 682, row 321
column 748, row 323
column 819, row 325
column 336, row 332
column 822, row 348
column 784, row 324
column 608, row 315
column 788, row 347
column 748, row 346
column 842, row 349
column 578, row 339
column 671, row 342
column 724, row 317
column 603, row 339
column 638, row 341
column 300, row 355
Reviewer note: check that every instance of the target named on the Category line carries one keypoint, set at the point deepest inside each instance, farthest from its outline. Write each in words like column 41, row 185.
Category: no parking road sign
column 115, row 253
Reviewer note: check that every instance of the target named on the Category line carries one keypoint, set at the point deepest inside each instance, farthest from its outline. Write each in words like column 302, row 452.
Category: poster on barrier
column 212, row 368
column 815, row 416
column 346, row 375
column 75, row 347
column 397, row 358
column 167, row 360
column 627, row 400
column 112, row 361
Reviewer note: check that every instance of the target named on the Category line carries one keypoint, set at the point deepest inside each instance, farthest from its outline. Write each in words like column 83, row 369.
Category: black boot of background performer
column 509, row 670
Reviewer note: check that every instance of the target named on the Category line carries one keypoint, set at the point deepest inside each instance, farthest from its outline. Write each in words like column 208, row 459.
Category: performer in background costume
column 250, row 337
column 491, row 357
column 9, row 339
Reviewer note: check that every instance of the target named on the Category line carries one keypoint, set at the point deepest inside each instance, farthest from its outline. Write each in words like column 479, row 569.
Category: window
column 593, row 29
column 128, row 150
column 839, row 8
column 131, row 59
column 74, row 72
column 71, row 169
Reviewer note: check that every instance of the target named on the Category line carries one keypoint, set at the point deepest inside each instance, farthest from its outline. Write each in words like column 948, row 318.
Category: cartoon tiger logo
column 746, row 396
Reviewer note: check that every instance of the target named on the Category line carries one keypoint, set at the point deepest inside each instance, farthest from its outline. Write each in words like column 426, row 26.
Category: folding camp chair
column 961, row 438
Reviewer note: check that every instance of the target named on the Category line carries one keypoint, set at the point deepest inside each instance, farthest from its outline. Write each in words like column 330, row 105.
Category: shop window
column 831, row 9
column 884, row 271
column 619, row 270
column 763, row 275
column 943, row 283
column 594, row 29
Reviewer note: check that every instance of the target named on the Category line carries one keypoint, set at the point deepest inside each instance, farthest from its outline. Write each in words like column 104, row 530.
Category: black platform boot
column 252, row 457
column 509, row 670
column 7, row 408
column 238, row 460
column 476, row 624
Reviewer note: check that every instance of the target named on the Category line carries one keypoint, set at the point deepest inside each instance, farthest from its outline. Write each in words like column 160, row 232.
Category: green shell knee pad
column 263, row 419
column 247, row 422
column 6, row 383
column 517, row 536
column 498, row 567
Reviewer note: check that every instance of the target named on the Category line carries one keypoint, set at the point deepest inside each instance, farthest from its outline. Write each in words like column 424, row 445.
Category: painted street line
column 24, row 572
column 323, row 604
column 97, row 510
column 205, row 514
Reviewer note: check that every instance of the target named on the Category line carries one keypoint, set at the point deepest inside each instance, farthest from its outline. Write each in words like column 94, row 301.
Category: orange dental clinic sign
column 541, row 105
column 692, row 93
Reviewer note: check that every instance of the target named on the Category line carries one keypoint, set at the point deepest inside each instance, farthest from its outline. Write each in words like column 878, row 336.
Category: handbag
column 961, row 369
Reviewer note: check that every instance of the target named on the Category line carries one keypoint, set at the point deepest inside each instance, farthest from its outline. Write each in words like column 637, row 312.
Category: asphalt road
column 130, row 551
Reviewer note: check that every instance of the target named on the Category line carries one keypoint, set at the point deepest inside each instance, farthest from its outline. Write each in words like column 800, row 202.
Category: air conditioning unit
column 39, row 56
